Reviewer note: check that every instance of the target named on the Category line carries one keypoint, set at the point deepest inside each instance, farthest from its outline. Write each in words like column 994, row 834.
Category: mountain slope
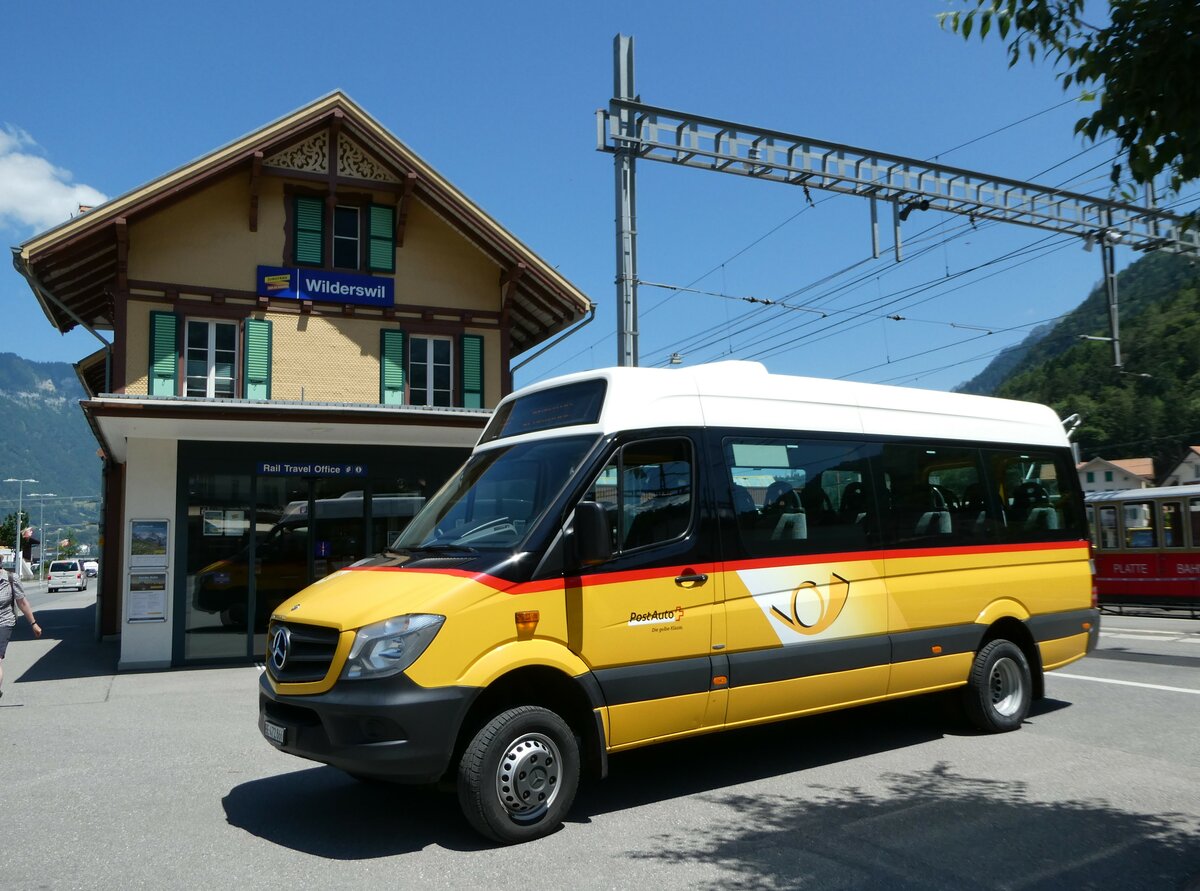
column 43, row 436
column 1152, row 405
column 1140, row 285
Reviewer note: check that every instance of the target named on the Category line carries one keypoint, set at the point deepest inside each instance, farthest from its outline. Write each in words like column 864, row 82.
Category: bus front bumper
column 391, row 728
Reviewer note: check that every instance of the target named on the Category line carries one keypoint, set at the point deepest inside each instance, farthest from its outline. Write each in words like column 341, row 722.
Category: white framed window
column 211, row 358
column 430, row 370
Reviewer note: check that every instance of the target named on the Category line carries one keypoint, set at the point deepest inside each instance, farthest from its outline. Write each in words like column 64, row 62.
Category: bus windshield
column 497, row 496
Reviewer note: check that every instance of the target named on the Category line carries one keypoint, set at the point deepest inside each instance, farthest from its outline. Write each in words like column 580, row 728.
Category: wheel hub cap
column 528, row 776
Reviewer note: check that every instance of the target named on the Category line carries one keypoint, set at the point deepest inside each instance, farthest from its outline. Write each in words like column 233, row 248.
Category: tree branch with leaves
column 1141, row 66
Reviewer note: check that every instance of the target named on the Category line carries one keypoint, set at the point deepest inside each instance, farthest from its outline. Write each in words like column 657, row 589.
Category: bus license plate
column 276, row 733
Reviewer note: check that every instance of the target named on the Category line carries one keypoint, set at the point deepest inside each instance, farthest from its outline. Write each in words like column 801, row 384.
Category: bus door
column 643, row 621
column 806, row 607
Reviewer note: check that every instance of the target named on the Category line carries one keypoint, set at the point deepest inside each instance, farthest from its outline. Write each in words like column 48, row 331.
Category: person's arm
column 23, row 602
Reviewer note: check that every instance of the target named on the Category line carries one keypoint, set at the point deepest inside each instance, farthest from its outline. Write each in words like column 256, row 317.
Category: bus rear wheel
column 518, row 776
column 999, row 688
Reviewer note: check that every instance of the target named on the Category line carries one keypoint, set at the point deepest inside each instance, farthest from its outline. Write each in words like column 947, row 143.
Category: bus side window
column 936, row 495
column 1034, row 489
column 795, row 496
column 646, row 492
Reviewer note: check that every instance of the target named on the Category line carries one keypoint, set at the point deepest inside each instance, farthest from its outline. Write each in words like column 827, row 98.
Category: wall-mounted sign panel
column 147, row 597
column 148, row 543
column 327, row 287
column 310, row 468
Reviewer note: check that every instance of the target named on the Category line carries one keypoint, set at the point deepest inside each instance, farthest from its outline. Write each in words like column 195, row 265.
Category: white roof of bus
column 744, row 394
column 1142, row 494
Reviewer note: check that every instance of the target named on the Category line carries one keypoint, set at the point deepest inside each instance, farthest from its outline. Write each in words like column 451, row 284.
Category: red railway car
column 1146, row 545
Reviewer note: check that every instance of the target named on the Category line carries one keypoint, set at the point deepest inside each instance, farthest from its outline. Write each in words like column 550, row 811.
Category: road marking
column 1083, row 677
column 1164, row 636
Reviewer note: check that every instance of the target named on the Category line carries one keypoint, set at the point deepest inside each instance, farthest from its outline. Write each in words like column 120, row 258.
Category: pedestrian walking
column 12, row 598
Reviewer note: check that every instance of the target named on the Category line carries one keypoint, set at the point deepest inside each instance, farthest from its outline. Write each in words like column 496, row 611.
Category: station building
column 303, row 335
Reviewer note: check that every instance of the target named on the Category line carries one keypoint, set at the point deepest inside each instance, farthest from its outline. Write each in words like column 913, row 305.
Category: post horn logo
column 830, row 601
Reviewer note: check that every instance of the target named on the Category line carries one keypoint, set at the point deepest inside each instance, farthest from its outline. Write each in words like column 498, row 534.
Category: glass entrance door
column 219, row 515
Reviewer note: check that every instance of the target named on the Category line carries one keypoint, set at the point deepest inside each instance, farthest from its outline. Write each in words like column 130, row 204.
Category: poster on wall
column 147, row 597
column 148, row 543
column 214, row 522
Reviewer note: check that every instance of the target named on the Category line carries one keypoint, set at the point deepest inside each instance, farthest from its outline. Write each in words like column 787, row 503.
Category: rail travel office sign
column 295, row 283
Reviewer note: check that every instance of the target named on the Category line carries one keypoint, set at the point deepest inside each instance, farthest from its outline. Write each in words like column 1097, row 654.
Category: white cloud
column 34, row 194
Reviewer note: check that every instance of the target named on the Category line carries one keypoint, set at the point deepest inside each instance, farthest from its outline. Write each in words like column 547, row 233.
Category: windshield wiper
column 437, row 548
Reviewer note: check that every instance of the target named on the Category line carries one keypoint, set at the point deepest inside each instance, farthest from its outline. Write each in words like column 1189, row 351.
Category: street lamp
column 41, row 530
column 17, row 543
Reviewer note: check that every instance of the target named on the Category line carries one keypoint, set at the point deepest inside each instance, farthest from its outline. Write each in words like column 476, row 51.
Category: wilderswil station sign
column 328, row 287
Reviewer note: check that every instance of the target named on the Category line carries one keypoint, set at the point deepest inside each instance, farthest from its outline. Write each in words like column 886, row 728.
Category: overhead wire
column 811, row 205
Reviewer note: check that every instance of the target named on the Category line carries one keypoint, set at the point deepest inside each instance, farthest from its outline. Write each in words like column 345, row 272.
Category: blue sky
column 500, row 98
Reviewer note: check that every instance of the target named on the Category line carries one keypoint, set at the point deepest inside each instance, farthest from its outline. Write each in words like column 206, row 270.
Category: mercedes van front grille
column 299, row 654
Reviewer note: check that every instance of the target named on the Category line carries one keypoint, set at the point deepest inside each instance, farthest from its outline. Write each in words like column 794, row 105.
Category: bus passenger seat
column 743, row 504
column 934, row 522
column 792, row 526
column 1042, row 518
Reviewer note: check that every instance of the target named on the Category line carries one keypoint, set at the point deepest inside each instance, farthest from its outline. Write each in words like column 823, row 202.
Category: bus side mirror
column 593, row 545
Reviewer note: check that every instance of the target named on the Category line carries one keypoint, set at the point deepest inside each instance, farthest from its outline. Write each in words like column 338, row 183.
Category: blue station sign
column 297, row 283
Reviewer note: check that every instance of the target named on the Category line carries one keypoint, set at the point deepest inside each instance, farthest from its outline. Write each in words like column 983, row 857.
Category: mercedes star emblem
column 281, row 643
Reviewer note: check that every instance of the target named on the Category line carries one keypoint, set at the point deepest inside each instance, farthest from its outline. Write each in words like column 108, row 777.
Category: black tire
column 518, row 776
column 999, row 688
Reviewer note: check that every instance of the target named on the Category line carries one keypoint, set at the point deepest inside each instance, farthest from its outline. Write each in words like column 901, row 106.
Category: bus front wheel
column 999, row 688
column 518, row 776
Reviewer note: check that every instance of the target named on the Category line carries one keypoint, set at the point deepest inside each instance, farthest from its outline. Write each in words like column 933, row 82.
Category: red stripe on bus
column 662, row 572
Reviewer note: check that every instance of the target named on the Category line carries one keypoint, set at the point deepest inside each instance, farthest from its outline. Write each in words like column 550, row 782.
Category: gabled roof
column 1142, row 467
column 72, row 267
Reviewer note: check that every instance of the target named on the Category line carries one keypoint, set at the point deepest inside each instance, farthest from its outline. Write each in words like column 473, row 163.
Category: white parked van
column 66, row 574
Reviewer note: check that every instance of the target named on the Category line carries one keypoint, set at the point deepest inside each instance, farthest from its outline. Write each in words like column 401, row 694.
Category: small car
column 66, row 574
column 91, row 568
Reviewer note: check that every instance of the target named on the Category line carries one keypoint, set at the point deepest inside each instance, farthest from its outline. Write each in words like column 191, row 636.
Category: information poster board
column 148, row 541
column 147, row 597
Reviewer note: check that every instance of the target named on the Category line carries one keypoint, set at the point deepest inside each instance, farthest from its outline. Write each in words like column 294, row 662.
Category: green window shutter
column 381, row 251
column 310, row 231
column 472, row 370
column 164, row 353
column 391, row 367
column 257, row 375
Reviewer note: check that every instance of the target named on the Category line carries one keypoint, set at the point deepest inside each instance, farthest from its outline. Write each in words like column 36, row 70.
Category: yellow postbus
column 637, row 555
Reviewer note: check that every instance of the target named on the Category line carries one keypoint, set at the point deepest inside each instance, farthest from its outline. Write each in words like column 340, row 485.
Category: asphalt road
column 160, row 780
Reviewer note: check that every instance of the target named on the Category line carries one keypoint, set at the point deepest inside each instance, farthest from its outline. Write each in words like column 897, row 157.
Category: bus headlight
column 387, row 648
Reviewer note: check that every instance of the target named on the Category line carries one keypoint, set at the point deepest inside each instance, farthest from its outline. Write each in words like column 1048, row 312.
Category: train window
column 1139, row 525
column 1194, row 521
column 1108, row 527
column 1172, row 523
column 1091, row 520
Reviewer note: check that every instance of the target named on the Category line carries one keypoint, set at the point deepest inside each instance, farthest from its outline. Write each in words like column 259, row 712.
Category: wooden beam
column 402, row 206
column 508, row 283
column 255, row 178
column 122, row 235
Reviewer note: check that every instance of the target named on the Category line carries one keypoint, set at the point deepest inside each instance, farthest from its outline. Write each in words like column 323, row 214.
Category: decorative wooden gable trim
column 354, row 162
column 309, row 156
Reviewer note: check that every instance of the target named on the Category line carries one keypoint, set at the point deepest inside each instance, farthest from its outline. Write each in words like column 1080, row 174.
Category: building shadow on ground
column 76, row 652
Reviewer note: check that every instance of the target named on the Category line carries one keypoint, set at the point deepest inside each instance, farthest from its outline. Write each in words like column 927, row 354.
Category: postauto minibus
column 637, row 555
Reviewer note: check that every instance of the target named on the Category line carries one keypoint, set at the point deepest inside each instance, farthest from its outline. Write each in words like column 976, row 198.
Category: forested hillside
column 1151, row 407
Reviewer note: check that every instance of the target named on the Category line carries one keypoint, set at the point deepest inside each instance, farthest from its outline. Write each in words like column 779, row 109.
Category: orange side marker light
column 1087, row 626
column 936, row 650
column 527, row 621
column 720, row 680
